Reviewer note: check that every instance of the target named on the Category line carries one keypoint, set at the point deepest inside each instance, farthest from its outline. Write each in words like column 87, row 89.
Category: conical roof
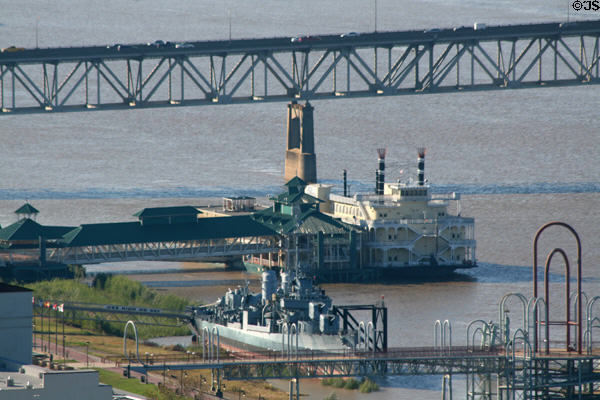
column 25, row 229
column 27, row 209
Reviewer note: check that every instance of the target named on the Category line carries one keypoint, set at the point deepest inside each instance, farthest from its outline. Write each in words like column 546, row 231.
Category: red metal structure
column 568, row 323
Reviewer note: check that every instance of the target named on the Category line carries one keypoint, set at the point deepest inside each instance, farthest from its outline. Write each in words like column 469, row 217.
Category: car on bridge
column 12, row 49
column 349, row 34
column 119, row 47
column 157, row 43
column 301, row 39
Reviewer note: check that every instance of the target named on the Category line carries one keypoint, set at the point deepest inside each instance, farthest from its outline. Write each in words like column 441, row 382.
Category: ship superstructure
column 407, row 229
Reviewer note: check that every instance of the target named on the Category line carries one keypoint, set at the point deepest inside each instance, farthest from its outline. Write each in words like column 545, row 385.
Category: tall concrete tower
column 300, row 157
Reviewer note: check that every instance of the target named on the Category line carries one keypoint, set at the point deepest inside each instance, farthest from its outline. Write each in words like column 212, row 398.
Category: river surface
column 520, row 158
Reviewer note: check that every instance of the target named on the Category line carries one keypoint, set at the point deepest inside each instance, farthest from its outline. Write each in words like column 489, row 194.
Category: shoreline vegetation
column 116, row 290
column 104, row 339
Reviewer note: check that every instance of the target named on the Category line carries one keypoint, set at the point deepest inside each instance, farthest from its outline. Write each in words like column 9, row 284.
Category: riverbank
column 84, row 348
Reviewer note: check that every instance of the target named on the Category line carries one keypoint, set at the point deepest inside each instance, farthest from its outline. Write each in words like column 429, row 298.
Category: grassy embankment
column 364, row 385
column 104, row 339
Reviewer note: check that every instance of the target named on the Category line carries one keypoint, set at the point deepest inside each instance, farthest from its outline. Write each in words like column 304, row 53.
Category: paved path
column 86, row 360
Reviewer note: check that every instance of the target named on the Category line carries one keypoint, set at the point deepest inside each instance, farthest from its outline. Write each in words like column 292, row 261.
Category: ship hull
column 425, row 272
column 248, row 339
column 418, row 272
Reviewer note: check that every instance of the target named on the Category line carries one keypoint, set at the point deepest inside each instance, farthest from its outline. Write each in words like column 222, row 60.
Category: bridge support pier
column 295, row 381
column 300, row 157
column 447, row 387
column 216, row 382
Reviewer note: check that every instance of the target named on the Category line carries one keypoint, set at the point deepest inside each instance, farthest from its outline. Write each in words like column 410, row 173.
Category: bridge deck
column 279, row 69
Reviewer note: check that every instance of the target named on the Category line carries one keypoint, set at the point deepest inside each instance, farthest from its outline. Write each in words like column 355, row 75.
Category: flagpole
column 63, row 322
column 49, row 329
column 33, row 325
column 42, row 330
column 56, row 329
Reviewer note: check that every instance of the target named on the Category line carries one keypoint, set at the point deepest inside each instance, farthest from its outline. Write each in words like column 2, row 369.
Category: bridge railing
column 195, row 357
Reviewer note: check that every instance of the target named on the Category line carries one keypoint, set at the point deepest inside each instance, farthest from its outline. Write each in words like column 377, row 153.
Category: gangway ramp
column 205, row 239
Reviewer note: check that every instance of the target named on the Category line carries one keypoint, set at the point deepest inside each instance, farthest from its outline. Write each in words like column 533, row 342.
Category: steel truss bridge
column 279, row 69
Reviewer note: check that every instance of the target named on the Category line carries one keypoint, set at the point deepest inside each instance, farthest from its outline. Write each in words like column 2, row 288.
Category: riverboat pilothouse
column 407, row 230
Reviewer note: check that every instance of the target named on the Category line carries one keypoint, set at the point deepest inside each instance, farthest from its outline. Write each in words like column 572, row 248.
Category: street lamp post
column 87, row 360
column 229, row 17
column 375, row 15
column 63, row 329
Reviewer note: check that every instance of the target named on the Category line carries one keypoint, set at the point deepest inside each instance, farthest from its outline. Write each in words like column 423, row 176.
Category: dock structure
column 292, row 231
column 493, row 373
column 333, row 66
column 163, row 233
column 498, row 361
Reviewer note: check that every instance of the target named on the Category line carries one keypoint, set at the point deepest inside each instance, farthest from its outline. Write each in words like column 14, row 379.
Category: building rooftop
column 134, row 232
column 6, row 288
column 308, row 222
column 167, row 211
column 28, row 229
column 27, row 209
column 45, row 382
column 20, row 380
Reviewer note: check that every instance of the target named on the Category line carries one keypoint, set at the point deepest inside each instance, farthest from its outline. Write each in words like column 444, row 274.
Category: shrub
column 331, row 396
column 351, row 384
column 109, row 289
column 368, row 386
column 339, row 383
column 335, row 382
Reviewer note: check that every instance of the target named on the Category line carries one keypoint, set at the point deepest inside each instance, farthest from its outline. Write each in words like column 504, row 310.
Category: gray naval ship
column 289, row 311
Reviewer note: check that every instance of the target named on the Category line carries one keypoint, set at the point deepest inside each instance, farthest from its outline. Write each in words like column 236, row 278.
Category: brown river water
column 520, row 158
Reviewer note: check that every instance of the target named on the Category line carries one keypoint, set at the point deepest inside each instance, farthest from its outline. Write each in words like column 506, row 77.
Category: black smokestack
column 345, row 184
column 421, row 166
column 380, row 178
